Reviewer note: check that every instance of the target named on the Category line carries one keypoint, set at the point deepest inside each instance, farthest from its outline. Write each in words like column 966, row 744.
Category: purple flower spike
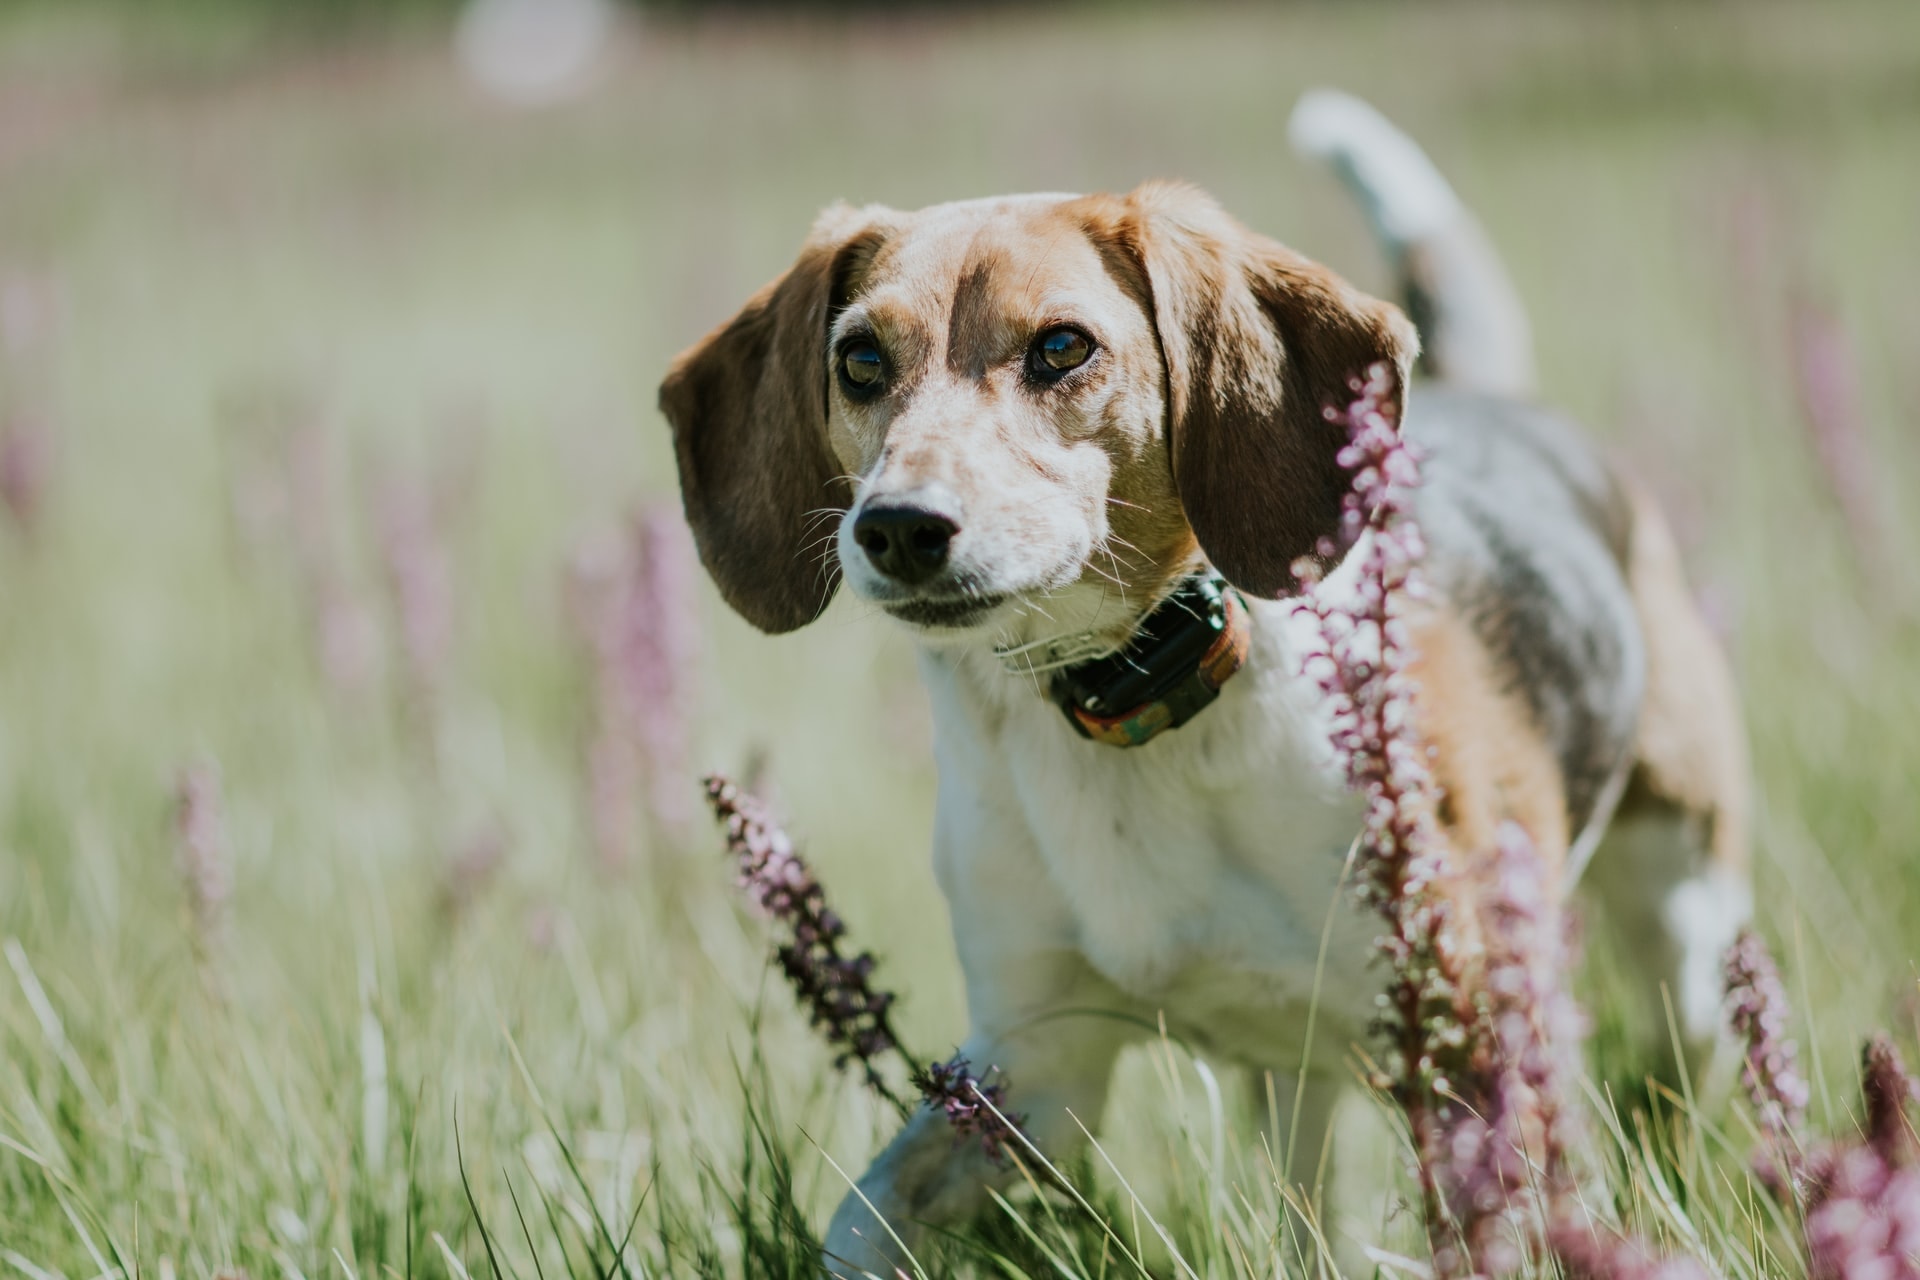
column 1537, row 1025
column 1827, row 382
column 635, row 601
column 200, row 828
column 1757, row 1011
column 419, row 572
column 1887, row 1089
column 1584, row 1253
column 664, row 641
column 26, row 450
column 1361, row 665
column 1863, row 1218
column 836, row 989
column 976, row 1106
column 1498, row 1157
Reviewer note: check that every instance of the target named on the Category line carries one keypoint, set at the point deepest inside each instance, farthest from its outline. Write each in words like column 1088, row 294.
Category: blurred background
column 354, row 674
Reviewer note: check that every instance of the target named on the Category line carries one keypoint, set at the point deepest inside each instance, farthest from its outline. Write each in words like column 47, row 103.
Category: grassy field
column 389, row 1052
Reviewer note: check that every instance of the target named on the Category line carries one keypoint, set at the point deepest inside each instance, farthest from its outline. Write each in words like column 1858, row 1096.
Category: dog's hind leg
column 1670, row 879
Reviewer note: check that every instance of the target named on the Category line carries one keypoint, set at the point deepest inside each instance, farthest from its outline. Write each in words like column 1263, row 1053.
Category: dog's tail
column 1472, row 325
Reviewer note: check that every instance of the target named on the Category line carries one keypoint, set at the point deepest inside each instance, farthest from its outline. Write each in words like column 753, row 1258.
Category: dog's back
column 1570, row 580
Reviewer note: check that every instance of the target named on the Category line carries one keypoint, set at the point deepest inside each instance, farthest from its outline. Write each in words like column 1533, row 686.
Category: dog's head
column 988, row 411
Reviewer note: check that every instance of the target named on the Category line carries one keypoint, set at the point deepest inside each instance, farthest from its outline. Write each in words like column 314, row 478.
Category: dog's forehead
column 1021, row 249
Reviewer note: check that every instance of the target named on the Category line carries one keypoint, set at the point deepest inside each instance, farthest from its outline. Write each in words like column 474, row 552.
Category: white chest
column 1201, row 873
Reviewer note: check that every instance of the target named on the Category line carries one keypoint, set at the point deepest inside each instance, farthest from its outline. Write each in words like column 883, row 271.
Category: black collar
column 1182, row 653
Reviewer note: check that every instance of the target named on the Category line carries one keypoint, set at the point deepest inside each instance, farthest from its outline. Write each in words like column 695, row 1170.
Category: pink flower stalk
column 1861, row 1200
column 636, row 604
column 201, row 850
column 26, row 457
column 836, row 989
column 1887, row 1090
column 1584, row 1253
column 1362, row 667
column 611, row 778
column 595, row 574
column 1482, row 1169
column 473, row 865
column 663, row 643
column 1499, row 1152
column 1827, row 382
column 976, row 1106
column 1758, row 1012
column 420, row 581
column 345, row 633
column 1863, row 1218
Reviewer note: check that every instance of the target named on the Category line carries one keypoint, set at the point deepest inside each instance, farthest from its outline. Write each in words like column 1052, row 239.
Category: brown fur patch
column 748, row 408
column 1257, row 342
column 1691, row 749
column 1488, row 756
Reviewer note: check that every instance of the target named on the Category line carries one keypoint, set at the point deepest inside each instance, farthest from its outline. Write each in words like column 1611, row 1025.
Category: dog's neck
column 1136, row 666
column 1091, row 619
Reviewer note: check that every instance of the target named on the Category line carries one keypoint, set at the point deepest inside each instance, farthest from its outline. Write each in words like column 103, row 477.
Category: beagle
column 1075, row 444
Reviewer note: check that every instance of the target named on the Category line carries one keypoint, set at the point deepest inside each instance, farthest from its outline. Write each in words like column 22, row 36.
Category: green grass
column 357, row 1079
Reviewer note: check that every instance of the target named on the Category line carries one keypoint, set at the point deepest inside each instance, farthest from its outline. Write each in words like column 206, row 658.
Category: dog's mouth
column 946, row 615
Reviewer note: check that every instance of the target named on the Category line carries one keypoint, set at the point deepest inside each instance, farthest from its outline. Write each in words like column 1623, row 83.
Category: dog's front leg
column 1056, row 1067
column 1040, row 1014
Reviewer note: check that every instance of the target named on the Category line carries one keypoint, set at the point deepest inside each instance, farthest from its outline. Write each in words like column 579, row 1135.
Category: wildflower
column 472, row 866
column 1862, row 1199
column 1757, row 1011
column 1481, row 1168
column 1887, row 1089
column 1827, row 384
column 634, row 603
column 976, row 1106
column 1361, row 665
column 596, row 578
column 665, row 640
column 420, row 580
column 836, row 989
column 345, row 633
column 1585, row 1254
column 1497, row 1151
column 1537, row 1025
column 610, row 782
column 26, row 451
column 202, row 853
column 1863, row 1218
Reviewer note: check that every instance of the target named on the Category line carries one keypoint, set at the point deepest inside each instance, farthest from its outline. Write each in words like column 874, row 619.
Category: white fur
column 1405, row 197
column 1191, row 877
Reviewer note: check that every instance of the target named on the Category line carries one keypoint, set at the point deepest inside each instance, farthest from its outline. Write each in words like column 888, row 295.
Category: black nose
column 908, row 544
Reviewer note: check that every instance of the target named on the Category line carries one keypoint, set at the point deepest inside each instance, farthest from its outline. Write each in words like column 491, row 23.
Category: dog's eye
column 861, row 366
column 1061, row 350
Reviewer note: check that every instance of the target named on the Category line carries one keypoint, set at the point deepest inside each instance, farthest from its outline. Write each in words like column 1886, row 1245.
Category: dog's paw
column 859, row 1244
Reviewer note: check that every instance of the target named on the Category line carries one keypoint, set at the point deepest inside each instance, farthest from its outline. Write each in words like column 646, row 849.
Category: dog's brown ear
column 748, row 407
column 1258, row 342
